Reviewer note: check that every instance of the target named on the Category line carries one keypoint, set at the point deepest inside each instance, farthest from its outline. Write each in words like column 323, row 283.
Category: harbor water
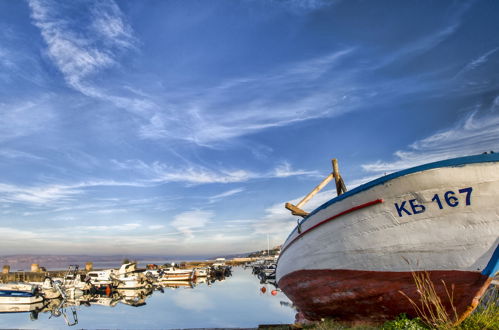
column 238, row 301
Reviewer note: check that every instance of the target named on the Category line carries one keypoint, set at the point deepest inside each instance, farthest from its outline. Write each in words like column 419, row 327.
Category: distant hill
column 23, row 262
column 254, row 254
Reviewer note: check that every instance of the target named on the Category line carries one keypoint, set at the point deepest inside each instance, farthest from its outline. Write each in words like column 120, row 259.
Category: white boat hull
column 441, row 219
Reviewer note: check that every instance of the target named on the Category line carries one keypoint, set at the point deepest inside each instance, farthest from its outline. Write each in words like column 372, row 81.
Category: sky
column 182, row 127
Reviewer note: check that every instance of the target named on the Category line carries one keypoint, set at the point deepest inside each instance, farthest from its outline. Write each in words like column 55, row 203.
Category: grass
column 431, row 308
column 486, row 315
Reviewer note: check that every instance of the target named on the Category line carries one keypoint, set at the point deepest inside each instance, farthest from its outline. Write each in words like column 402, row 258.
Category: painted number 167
column 451, row 199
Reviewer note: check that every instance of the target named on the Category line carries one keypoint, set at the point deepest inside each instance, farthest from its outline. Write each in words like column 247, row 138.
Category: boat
column 135, row 297
column 175, row 284
column 201, row 271
column 22, row 308
column 129, row 277
column 357, row 256
column 103, row 278
column 49, row 288
column 176, row 274
column 19, row 293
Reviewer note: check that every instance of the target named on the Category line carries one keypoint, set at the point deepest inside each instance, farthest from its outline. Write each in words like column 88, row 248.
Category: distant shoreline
column 58, row 262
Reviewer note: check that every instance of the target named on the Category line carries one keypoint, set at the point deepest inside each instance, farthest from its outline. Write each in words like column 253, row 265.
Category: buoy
column 263, row 289
column 274, row 292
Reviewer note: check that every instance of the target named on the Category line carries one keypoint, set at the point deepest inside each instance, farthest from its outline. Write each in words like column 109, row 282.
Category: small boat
column 19, row 293
column 129, row 277
column 22, row 308
column 136, row 297
column 176, row 274
column 126, row 277
column 103, row 278
column 175, row 284
column 356, row 257
column 201, row 271
column 49, row 288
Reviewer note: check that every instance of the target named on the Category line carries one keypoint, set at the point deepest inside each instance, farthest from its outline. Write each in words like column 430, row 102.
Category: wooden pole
column 315, row 191
column 340, row 184
column 340, row 188
column 336, row 174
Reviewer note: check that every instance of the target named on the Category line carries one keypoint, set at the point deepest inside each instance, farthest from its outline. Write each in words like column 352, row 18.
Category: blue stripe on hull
column 493, row 265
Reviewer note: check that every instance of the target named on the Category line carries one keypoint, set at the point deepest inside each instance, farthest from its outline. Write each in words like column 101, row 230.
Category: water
column 236, row 302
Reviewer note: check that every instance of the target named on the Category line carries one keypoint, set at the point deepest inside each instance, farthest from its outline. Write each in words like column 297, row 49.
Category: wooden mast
column 340, row 188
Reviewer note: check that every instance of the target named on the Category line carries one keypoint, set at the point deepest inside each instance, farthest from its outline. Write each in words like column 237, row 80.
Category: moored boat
column 19, row 293
column 129, row 277
column 355, row 257
column 176, row 274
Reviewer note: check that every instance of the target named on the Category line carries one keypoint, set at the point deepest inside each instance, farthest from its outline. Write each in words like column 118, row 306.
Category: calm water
column 235, row 302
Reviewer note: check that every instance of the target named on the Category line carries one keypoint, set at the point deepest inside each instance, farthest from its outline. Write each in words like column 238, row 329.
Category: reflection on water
column 240, row 300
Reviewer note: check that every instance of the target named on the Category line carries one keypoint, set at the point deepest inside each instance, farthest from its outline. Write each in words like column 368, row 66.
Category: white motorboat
column 129, row 277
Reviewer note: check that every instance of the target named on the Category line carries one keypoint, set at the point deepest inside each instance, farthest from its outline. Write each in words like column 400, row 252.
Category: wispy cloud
column 473, row 135
column 158, row 172
column 425, row 43
column 479, row 61
column 16, row 154
column 83, row 51
column 44, row 194
column 285, row 170
column 225, row 194
column 76, row 53
column 24, row 118
column 189, row 221
column 121, row 227
column 209, row 118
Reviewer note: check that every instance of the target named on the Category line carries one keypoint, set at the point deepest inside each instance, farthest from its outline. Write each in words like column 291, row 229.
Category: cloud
column 50, row 194
column 232, row 192
column 184, row 299
column 481, row 60
column 121, row 227
column 188, row 221
column 474, row 135
column 419, row 46
column 16, row 154
column 86, row 46
column 284, row 170
column 155, row 227
column 24, row 118
column 207, row 117
column 36, row 195
column 79, row 54
column 158, row 172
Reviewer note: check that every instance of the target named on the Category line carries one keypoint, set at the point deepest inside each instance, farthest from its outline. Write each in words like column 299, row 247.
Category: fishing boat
column 356, row 257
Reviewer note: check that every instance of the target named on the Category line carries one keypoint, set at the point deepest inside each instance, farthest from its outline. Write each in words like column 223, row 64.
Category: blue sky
column 182, row 127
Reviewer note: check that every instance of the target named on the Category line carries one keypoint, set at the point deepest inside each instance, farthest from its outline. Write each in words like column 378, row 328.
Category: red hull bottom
column 369, row 296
